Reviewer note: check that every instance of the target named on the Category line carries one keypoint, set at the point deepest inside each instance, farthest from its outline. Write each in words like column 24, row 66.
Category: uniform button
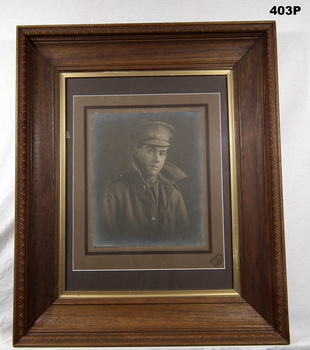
column 153, row 218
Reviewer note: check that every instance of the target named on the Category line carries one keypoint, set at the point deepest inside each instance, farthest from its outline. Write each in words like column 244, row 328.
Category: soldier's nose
column 156, row 157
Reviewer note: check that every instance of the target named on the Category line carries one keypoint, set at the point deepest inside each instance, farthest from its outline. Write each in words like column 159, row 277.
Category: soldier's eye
column 163, row 154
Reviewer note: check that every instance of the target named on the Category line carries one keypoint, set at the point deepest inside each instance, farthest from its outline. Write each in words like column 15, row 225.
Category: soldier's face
column 151, row 159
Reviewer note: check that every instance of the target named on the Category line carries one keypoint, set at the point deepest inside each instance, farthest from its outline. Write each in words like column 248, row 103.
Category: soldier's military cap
column 152, row 133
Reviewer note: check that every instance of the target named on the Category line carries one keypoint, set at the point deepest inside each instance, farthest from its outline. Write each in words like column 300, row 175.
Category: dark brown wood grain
column 259, row 314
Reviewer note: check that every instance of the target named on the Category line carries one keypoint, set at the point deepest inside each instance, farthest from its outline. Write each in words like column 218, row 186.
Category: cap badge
column 157, row 136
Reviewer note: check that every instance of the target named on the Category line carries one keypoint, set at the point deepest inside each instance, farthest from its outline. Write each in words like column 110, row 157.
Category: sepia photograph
column 156, row 197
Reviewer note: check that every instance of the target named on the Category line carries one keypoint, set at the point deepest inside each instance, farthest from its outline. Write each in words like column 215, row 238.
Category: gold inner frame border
column 233, row 185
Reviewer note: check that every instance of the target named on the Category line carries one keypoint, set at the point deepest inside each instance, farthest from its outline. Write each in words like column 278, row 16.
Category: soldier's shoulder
column 121, row 180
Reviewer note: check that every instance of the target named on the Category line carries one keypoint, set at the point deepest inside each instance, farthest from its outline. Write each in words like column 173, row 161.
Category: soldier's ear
column 136, row 152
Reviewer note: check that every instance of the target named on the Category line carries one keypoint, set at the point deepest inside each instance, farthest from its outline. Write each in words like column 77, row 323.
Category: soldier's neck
column 151, row 179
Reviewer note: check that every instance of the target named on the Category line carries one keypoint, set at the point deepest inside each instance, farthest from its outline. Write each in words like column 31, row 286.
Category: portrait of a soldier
column 144, row 207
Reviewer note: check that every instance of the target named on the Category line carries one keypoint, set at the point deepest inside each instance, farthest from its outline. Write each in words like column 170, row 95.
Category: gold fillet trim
column 62, row 187
column 233, row 183
column 149, row 294
column 146, row 73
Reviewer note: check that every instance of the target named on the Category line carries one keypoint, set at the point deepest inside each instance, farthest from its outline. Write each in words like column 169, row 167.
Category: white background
column 294, row 86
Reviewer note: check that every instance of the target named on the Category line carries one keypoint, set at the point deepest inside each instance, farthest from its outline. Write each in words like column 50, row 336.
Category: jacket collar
column 172, row 172
column 169, row 173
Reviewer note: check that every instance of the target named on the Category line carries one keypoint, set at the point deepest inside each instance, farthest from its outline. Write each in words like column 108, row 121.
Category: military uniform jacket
column 132, row 216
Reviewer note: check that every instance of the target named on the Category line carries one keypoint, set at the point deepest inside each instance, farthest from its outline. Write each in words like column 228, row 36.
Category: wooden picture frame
column 255, row 311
